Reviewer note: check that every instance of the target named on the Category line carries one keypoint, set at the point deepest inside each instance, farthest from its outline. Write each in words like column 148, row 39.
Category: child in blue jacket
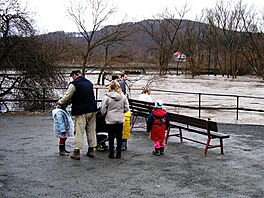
column 63, row 127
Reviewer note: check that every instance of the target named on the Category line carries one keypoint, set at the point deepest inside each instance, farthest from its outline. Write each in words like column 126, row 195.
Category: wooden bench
column 139, row 109
column 199, row 126
column 182, row 123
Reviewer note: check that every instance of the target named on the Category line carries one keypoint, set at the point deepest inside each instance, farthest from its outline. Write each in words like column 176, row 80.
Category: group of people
column 114, row 107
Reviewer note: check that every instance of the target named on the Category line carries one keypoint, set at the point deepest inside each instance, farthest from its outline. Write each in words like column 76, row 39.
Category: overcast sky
column 51, row 14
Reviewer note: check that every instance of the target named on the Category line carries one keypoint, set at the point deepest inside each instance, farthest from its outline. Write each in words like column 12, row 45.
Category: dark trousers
column 115, row 131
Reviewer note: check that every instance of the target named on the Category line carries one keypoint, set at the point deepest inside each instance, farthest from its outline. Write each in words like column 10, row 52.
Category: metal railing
column 42, row 99
column 199, row 103
column 236, row 106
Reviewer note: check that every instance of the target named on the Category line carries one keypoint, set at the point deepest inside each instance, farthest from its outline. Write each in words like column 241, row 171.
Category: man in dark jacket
column 80, row 93
column 124, row 86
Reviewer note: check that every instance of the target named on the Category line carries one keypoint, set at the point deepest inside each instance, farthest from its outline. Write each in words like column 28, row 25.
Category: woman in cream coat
column 114, row 105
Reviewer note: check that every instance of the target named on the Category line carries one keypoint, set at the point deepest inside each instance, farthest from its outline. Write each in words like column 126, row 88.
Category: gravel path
column 30, row 165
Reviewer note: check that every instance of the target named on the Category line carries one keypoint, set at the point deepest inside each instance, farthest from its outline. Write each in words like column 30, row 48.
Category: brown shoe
column 90, row 152
column 75, row 155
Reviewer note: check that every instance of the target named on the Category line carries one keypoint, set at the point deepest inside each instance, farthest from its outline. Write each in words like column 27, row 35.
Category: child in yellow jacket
column 126, row 131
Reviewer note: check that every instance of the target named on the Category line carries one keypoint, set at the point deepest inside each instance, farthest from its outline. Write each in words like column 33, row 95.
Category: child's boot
column 124, row 145
column 66, row 150
column 162, row 151
column 62, row 150
column 156, row 152
column 76, row 154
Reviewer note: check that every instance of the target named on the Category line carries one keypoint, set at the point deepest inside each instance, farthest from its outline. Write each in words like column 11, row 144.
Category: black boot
column 118, row 154
column 66, row 150
column 156, row 152
column 63, row 152
column 111, row 155
column 162, row 151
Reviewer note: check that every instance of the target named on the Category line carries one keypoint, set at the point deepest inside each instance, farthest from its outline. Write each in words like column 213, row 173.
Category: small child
column 126, row 131
column 157, row 124
column 63, row 126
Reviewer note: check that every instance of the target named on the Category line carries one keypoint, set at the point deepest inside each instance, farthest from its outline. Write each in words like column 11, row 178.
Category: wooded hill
column 153, row 42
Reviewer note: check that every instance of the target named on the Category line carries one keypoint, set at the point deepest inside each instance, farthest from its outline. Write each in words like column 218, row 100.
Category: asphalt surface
column 30, row 165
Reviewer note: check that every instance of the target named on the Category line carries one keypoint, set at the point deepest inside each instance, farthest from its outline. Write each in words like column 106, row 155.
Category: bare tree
column 211, row 34
column 254, row 40
column 191, row 42
column 225, row 35
column 95, row 38
column 108, row 54
column 163, row 32
column 14, row 19
column 23, row 59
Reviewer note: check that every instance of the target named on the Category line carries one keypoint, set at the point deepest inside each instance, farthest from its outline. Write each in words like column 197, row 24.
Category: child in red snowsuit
column 157, row 124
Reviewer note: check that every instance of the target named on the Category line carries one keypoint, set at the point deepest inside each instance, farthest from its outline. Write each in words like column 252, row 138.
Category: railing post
column 237, row 107
column 43, row 98
column 96, row 93
column 199, row 105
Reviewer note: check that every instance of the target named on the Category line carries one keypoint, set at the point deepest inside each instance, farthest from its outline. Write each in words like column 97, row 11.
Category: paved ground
column 31, row 167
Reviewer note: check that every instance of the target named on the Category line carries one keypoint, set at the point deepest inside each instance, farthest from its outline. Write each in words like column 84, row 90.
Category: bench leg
column 221, row 146
column 207, row 146
column 167, row 135
column 146, row 121
column 134, row 118
column 180, row 130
